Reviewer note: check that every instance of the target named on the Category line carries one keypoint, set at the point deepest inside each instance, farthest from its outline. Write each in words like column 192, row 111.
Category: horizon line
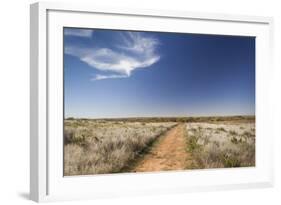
column 141, row 117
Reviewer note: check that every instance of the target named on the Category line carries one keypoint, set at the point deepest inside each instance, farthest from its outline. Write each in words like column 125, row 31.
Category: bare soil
column 169, row 153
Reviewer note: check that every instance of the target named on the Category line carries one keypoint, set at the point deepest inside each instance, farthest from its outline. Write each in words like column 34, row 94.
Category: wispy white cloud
column 135, row 51
column 102, row 77
column 78, row 32
column 137, row 43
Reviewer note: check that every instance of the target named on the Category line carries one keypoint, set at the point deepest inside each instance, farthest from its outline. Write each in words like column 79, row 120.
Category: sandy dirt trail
column 168, row 153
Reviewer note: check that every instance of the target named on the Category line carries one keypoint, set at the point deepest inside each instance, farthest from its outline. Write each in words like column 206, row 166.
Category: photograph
column 151, row 101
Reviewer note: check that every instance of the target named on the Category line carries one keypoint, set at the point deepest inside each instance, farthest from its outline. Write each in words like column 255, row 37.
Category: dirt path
column 169, row 153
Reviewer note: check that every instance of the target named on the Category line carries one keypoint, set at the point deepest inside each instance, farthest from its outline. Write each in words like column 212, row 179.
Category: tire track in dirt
column 169, row 153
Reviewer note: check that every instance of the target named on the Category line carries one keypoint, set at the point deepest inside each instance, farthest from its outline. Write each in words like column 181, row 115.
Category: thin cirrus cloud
column 78, row 32
column 135, row 51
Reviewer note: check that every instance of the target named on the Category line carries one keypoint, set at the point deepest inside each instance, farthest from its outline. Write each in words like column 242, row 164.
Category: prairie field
column 98, row 147
column 104, row 146
column 221, row 145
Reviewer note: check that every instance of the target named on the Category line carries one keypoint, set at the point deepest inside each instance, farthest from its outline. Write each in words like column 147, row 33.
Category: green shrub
column 221, row 129
column 232, row 132
column 230, row 160
column 234, row 140
column 192, row 143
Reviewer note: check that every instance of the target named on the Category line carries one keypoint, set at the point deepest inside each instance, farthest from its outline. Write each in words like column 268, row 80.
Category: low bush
column 107, row 147
column 220, row 146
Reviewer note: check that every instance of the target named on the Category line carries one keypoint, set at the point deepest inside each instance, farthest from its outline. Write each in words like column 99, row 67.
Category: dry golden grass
column 100, row 147
column 221, row 145
column 110, row 145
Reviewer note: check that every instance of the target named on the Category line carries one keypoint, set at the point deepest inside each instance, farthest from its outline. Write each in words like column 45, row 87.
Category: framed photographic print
column 127, row 102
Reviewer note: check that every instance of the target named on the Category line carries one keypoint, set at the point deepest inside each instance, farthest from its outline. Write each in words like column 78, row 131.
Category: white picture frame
column 47, row 182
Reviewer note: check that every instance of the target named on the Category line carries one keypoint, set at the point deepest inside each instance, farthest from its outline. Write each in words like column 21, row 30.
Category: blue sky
column 144, row 74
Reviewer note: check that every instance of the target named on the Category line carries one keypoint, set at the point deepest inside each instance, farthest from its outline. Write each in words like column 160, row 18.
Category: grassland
column 109, row 145
column 221, row 145
column 98, row 147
